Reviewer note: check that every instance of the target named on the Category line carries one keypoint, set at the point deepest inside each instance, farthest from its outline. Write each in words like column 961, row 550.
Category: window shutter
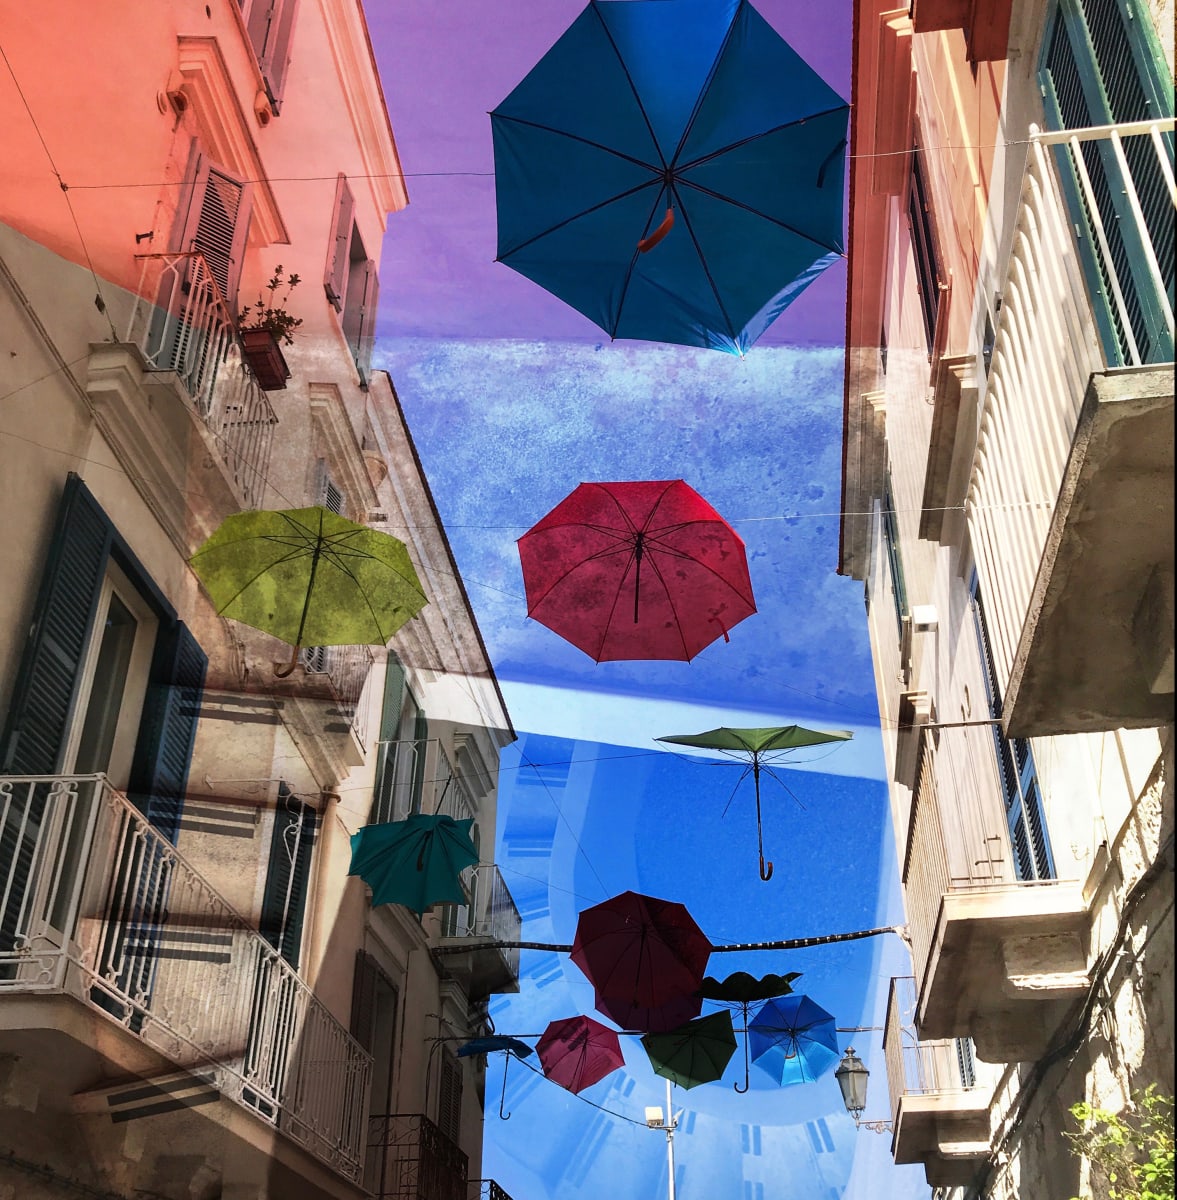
column 366, row 325
column 339, row 251
column 214, row 219
column 363, row 1000
column 285, row 896
column 38, row 716
column 449, row 1101
column 271, row 28
column 171, row 711
column 390, row 716
column 420, row 736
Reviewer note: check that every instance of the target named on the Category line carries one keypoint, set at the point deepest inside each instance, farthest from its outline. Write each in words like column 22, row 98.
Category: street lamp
column 852, row 1076
column 668, row 1124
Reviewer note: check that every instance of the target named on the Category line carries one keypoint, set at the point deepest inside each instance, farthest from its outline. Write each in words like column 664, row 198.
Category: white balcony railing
column 96, row 903
column 182, row 323
column 490, row 912
column 1070, row 306
column 348, row 669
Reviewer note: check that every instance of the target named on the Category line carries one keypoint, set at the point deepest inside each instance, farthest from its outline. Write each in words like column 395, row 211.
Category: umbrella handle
column 765, row 869
column 648, row 243
column 747, row 1064
column 506, row 1116
column 282, row 672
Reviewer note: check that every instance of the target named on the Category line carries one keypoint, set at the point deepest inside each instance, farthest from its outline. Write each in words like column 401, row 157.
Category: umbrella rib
column 752, row 137
column 346, row 570
column 731, row 333
column 300, row 552
column 703, row 91
column 612, row 331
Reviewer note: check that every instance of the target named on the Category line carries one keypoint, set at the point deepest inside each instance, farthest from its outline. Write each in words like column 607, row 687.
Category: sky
column 513, row 398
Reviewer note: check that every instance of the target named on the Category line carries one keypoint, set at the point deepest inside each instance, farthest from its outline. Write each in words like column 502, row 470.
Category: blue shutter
column 288, row 876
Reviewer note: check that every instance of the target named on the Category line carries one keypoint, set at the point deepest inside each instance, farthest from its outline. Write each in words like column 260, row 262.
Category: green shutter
column 390, row 718
column 421, row 738
column 288, row 876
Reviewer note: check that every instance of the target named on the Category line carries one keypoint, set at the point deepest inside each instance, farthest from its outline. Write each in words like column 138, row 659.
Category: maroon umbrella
column 675, row 1012
column 576, row 1052
column 640, row 951
column 636, row 571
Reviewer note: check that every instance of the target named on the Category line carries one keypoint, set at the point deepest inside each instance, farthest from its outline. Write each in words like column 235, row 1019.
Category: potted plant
column 265, row 327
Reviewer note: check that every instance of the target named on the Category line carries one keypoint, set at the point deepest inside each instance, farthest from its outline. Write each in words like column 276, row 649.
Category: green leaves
column 1132, row 1150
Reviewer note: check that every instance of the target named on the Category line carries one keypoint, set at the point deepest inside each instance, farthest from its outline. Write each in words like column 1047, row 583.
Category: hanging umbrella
column 577, row 1052
column 639, row 950
column 650, row 1019
column 416, row 862
column 644, row 570
column 740, row 990
column 673, row 171
column 309, row 577
column 794, row 1040
column 491, row 1044
column 758, row 750
column 694, row 1053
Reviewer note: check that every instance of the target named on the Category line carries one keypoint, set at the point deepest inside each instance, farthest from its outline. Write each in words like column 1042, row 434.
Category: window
column 374, row 1005
column 923, row 247
column 1100, row 66
column 894, row 561
column 351, row 282
column 1032, row 858
column 288, row 875
column 270, row 24
column 449, row 1100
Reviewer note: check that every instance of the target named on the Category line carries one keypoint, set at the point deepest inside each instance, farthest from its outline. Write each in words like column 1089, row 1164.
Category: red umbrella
column 636, row 571
column 675, row 1012
column 640, row 951
column 576, row 1052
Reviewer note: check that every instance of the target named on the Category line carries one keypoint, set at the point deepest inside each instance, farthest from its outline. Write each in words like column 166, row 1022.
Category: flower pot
column 265, row 358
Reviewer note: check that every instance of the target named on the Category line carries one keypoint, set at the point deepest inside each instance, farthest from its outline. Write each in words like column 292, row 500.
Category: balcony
column 1070, row 500
column 345, row 670
column 997, row 959
column 409, row 1158
column 118, row 961
column 470, row 931
column 940, row 1116
column 487, row 1189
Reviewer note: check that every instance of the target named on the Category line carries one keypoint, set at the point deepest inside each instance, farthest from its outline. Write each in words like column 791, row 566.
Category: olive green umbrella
column 309, row 577
column 694, row 1053
column 758, row 749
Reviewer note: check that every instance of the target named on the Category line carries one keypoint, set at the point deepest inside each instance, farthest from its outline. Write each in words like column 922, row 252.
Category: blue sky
column 513, row 399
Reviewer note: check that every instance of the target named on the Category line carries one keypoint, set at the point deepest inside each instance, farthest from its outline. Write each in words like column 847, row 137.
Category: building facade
column 1008, row 504
column 196, row 1000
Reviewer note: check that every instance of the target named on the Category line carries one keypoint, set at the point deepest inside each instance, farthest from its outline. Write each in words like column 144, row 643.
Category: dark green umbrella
column 759, row 749
column 740, row 990
column 694, row 1053
column 416, row 862
column 309, row 577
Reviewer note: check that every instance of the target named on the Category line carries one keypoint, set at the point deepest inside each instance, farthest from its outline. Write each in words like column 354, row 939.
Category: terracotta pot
column 264, row 356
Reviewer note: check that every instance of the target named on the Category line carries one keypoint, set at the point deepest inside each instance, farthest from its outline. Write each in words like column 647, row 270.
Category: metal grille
column 409, row 1158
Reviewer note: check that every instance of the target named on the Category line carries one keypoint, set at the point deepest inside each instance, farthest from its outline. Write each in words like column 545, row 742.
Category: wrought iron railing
column 490, row 913
column 487, row 1189
column 182, row 323
column 347, row 669
column 1070, row 306
column 409, row 1158
column 96, row 903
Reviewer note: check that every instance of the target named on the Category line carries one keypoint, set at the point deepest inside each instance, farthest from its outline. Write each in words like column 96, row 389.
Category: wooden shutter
column 167, row 732
column 421, row 737
column 449, row 1100
column 271, row 29
column 288, row 876
column 214, row 219
column 383, row 799
column 339, row 250
column 366, row 324
column 923, row 245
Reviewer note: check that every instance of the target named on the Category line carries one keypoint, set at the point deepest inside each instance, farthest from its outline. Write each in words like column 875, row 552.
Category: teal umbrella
column 694, row 1053
column 416, row 862
column 488, row 1045
column 309, row 577
column 758, row 749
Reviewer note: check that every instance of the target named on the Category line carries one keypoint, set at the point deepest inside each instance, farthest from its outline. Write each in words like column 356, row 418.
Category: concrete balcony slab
column 946, row 1131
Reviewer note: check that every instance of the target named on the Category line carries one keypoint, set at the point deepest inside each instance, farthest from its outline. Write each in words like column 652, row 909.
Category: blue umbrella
column 416, row 862
column 793, row 1039
column 672, row 170
column 488, row 1045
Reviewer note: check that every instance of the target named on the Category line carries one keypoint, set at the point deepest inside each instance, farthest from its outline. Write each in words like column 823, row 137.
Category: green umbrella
column 309, row 577
column 759, row 748
column 740, row 990
column 416, row 862
column 694, row 1053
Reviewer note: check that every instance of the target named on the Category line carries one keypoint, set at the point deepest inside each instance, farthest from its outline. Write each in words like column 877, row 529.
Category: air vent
column 377, row 517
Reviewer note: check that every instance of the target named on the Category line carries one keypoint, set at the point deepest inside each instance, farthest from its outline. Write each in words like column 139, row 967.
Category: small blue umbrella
column 673, row 171
column 488, row 1045
column 793, row 1039
column 416, row 862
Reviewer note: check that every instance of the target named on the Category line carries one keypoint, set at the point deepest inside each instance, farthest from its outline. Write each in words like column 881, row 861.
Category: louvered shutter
column 271, row 29
column 288, row 876
column 215, row 221
column 449, row 1101
column 420, row 736
column 167, row 732
column 363, row 1000
column 339, row 251
column 366, row 322
column 383, row 798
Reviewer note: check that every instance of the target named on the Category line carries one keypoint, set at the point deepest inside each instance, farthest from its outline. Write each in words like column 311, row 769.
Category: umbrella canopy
column 309, row 577
column 672, row 171
column 758, row 750
column 794, row 1040
column 695, row 1053
column 577, row 1052
column 489, row 1045
column 645, row 570
column 416, row 862
column 676, row 1011
column 739, row 990
column 640, row 951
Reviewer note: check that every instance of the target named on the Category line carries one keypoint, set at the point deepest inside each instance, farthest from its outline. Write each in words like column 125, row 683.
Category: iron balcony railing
column 409, row 1158
column 97, row 904
column 182, row 323
column 1088, row 287
column 490, row 912
column 487, row 1189
column 921, row 1068
column 347, row 669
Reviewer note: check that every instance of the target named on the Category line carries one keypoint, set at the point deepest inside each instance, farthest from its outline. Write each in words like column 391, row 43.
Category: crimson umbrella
column 636, row 571
column 640, row 951
column 576, row 1052
column 657, row 1019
